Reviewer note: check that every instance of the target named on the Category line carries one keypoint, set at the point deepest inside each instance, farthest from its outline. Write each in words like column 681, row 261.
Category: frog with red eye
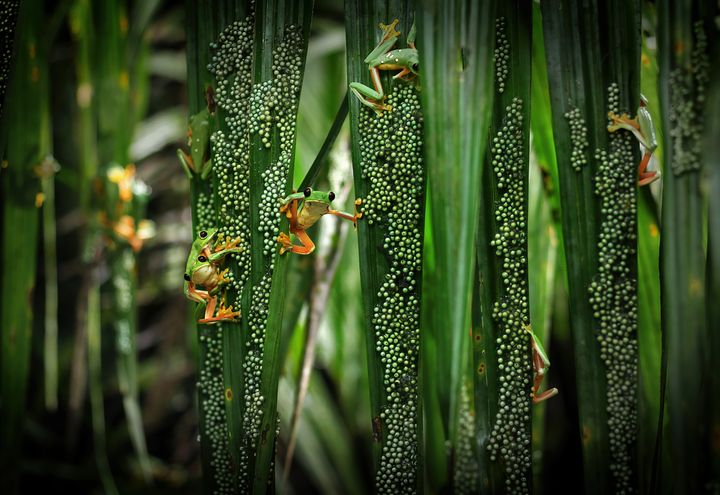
column 204, row 269
column 303, row 209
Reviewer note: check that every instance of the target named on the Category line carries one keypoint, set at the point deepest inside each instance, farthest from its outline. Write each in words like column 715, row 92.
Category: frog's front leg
column 187, row 163
column 353, row 218
column 223, row 248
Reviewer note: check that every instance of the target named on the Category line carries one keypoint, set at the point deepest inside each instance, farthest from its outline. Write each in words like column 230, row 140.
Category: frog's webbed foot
column 389, row 30
column 622, row 121
column 358, row 214
column 227, row 244
column 552, row 392
column 223, row 313
column 284, row 239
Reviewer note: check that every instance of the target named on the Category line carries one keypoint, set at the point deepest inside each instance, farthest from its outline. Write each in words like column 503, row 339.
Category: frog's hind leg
column 308, row 246
column 223, row 313
column 645, row 178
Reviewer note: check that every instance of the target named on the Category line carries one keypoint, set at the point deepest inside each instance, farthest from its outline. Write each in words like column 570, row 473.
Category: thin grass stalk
column 545, row 256
column 50, row 344
column 27, row 105
column 94, row 350
column 81, row 29
column 685, row 36
column 502, row 257
column 389, row 176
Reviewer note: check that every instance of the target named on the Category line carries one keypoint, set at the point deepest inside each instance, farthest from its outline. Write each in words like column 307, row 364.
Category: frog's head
column 318, row 196
column 643, row 100
column 196, row 259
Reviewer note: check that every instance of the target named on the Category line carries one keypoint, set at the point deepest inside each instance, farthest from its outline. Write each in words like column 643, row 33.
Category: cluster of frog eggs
column 391, row 163
column 212, row 402
column 232, row 67
column 687, row 106
column 8, row 16
column 613, row 293
column 273, row 107
column 465, row 477
column 578, row 138
column 510, row 438
column 502, row 55
column 205, row 212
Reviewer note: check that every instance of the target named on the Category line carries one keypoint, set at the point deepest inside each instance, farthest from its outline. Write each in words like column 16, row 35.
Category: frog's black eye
column 307, row 192
column 203, row 234
column 331, row 195
column 186, row 277
column 202, row 259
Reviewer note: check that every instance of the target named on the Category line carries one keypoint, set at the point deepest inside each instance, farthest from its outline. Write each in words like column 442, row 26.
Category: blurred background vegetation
column 106, row 109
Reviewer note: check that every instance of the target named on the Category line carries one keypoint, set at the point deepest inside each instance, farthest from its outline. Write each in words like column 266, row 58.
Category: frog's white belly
column 310, row 212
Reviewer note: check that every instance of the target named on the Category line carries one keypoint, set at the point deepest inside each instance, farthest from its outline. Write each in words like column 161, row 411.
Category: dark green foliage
column 455, row 41
column 8, row 17
column 27, row 107
column 687, row 39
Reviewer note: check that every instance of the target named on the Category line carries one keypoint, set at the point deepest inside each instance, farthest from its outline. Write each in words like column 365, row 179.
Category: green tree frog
column 541, row 364
column 198, row 161
column 383, row 58
column 644, row 130
column 203, row 268
column 314, row 205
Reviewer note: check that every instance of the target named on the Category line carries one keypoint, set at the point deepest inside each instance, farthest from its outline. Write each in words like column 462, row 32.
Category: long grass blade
column 94, row 351
column 389, row 176
column 455, row 49
column 575, row 37
column 502, row 256
column 712, row 169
